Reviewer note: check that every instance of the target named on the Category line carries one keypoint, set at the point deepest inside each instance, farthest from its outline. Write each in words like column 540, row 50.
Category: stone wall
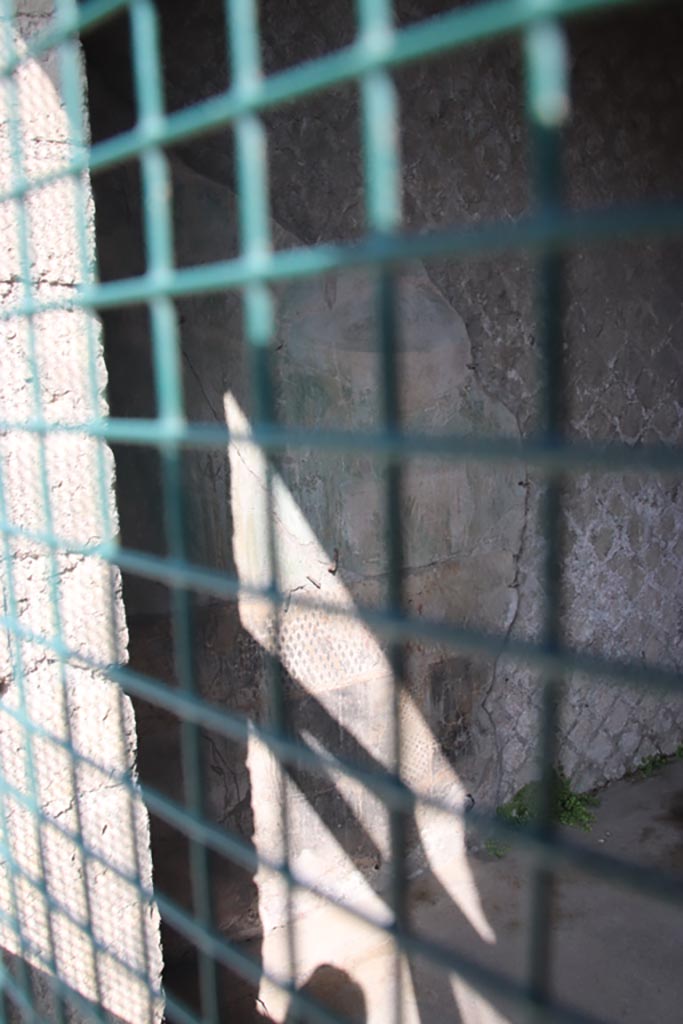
column 468, row 357
column 75, row 874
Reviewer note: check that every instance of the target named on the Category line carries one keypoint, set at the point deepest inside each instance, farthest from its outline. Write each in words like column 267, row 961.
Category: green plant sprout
column 649, row 766
column 570, row 808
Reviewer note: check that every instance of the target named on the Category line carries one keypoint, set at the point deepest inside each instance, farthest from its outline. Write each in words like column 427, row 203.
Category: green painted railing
column 548, row 232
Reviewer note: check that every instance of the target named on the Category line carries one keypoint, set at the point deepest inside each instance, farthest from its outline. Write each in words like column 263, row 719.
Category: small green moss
column 655, row 762
column 651, row 765
column 495, row 848
column 522, row 808
column 570, row 808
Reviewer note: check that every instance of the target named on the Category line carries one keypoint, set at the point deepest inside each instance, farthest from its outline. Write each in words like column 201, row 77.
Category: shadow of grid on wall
column 366, row 491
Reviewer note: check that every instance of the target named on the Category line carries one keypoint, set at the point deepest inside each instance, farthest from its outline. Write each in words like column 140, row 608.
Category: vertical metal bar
column 9, row 600
column 156, row 190
column 72, row 83
column 251, row 146
column 547, row 72
column 381, row 155
column 4, row 1011
column 19, row 178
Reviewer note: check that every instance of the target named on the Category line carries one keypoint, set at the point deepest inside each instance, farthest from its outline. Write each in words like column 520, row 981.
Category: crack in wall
column 517, row 557
column 514, row 585
column 201, row 387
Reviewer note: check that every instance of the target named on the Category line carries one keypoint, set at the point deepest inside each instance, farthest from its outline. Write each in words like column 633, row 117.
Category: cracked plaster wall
column 468, row 352
column 75, row 874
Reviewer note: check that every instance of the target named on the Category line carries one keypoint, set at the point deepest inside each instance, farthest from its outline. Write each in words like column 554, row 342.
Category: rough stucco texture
column 465, row 160
column 468, row 355
column 64, row 899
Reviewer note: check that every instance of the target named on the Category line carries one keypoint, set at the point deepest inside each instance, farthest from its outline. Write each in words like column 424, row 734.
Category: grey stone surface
column 76, row 872
column 465, row 160
column 469, row 361
column 614, row 950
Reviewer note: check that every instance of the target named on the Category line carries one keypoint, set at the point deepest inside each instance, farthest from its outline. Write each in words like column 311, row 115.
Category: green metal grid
column 548, row 233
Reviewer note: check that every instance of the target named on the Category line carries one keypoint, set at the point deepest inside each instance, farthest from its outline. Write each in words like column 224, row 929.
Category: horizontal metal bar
column 387, row 624
column 561, row 852
column 560, row 230
column 566, row 455
column 216, row 945
column 222, row 950
column 484, row 978
column 56, row 906
column 178, row 1012
column 227, row 952
column 427, row 39
column 430, row 38
column 249, row 968
column 23, row 1001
